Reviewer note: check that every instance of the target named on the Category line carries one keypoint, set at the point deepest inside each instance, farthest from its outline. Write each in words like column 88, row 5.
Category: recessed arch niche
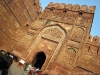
column 51, row 37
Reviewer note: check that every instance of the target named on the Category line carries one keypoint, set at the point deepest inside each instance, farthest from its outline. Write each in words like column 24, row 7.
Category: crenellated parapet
column 92, row 45
column 93, row 40
column 90, row 55
column 70, row 14
column 71, row 7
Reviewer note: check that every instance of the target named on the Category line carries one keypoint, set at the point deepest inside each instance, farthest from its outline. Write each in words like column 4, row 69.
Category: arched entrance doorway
column 39, row 60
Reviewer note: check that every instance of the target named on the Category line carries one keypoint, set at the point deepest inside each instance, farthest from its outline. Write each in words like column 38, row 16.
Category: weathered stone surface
column 61, row 31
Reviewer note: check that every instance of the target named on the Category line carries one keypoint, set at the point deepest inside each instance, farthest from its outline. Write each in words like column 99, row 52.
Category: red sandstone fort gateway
column 56, row 40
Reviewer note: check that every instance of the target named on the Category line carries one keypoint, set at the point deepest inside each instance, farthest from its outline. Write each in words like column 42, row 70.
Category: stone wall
column 61, row 31
column 14, row 15
column 90, row 55
column 76, row 21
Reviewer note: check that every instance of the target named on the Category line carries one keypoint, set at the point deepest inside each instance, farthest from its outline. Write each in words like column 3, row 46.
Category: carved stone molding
column 71, row 52
column 78, row 33
column 54, row 33
column 38, row 24
column 84, row 22
column 25, row 40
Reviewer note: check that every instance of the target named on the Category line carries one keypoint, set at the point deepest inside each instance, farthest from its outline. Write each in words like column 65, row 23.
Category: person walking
column 32, row 71
column 36, row 71
column 29, row 67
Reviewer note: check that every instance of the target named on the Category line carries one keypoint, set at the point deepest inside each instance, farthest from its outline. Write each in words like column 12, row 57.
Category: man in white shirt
column 29, row 67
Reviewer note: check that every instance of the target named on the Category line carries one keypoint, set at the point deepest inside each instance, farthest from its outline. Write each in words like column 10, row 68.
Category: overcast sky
column 95, row 30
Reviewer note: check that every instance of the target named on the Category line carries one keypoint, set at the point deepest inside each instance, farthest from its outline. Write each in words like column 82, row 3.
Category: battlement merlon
column 75, row 7
column 93, row 40
column 39, row 8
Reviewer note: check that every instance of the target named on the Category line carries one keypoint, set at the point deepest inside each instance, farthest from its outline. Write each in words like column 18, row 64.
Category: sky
column 95, row 29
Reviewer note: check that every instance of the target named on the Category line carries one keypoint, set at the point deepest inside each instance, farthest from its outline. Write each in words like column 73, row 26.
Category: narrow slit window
column 89, row 49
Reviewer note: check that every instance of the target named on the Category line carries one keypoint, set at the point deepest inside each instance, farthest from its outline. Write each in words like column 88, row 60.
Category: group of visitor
column 30, row 70
column 6, row 60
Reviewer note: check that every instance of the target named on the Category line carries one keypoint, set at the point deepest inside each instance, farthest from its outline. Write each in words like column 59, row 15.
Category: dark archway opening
column 39, row 60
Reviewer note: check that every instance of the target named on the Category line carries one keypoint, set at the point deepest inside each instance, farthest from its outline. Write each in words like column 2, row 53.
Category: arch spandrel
column 55, row 33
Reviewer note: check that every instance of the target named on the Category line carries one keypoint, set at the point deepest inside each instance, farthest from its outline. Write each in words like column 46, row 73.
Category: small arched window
column 27, row 25
column 89, row 49
column 64, row 10
column 95, row 39
column 97, row 51
column 80, row 13
column 34, row 4
column 51, row 9
column 89, row 37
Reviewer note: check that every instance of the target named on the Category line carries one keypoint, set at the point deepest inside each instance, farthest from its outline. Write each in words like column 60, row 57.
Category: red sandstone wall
column 90, row 55
column 76, row 21
column 77, row 55
column 80, row 19
column 14, row 14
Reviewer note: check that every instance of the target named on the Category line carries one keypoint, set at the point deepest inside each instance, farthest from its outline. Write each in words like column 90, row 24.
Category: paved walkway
column 14, row 70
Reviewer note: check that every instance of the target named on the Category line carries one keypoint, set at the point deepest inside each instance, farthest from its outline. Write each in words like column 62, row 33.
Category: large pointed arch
column 50, row 34
column 39, row 60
